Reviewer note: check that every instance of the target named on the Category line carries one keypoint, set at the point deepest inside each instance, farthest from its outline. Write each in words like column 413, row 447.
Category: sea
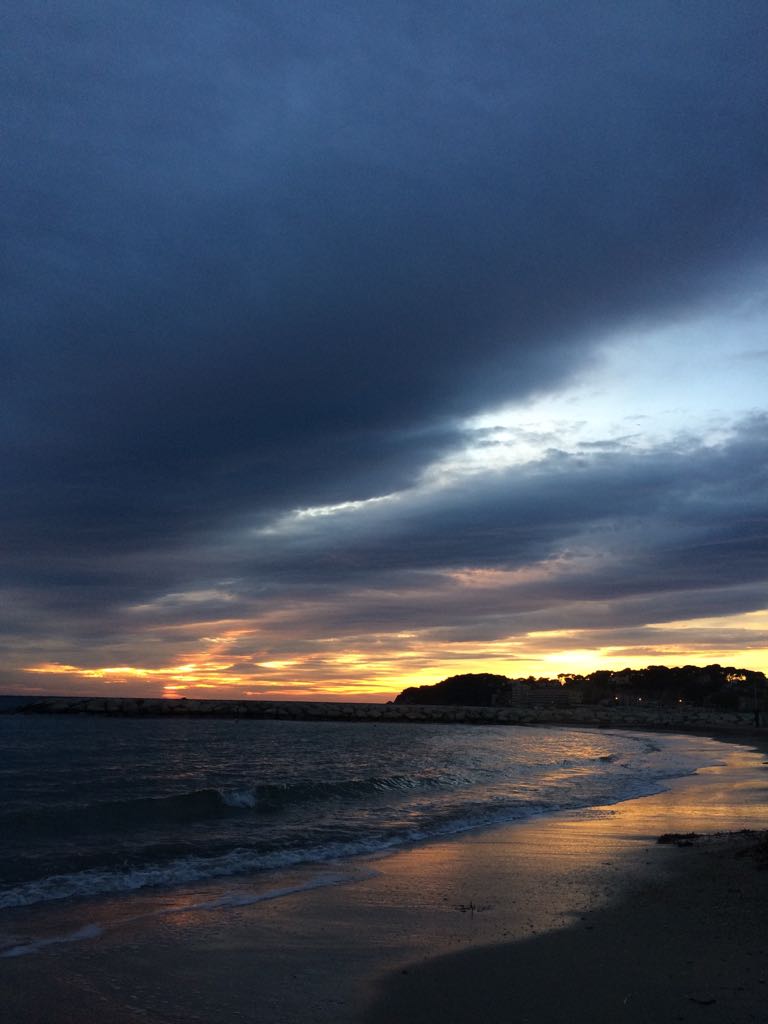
column 92, row 807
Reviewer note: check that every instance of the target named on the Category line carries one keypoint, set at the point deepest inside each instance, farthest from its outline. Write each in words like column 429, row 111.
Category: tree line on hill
column 717, row 686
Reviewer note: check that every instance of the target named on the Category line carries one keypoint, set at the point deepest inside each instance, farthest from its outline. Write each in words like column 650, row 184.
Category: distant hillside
column 474, row 689
column 711, row 686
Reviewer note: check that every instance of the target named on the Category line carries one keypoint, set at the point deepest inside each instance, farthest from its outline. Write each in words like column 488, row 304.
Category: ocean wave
column 182, row 871
column 200, row 804
column 323, row 801
column 101, row 816
column 223, row 901
column 435, row 824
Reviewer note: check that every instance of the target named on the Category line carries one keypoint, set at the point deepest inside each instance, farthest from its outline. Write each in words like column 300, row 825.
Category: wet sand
column 691, row 947
column 563, row 918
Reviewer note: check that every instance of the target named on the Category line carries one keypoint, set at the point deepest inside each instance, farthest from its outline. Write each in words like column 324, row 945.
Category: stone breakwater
column 677, row 719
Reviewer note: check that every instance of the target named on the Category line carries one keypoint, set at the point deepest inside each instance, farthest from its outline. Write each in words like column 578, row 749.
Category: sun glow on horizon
column 379, row 666
column 249, row 659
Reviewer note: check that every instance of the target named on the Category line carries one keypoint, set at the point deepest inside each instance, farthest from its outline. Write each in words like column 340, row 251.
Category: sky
column 350, row 346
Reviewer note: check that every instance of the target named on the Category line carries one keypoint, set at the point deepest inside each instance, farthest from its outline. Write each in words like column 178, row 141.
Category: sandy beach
column 570, row 917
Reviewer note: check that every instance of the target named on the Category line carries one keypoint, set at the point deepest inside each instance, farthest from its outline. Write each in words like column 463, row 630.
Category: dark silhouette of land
column 714, row 686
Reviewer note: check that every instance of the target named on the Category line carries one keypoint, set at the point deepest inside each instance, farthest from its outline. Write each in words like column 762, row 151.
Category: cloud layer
column 268, row 260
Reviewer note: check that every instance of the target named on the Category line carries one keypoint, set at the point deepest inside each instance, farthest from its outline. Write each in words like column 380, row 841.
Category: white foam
column 227, row 901
column 239, row 798
column 89, row 931
column 245, row 899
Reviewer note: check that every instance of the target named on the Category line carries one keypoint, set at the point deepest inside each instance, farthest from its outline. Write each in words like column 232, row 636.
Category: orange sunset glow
column 378, row 668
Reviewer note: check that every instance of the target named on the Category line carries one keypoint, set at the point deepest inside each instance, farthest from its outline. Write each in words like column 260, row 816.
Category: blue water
column 91, row 806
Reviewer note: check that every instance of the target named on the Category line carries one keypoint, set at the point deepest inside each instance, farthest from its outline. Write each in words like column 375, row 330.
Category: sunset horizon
column 219, row 680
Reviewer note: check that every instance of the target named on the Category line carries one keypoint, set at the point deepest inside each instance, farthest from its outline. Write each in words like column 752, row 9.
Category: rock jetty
column 683, row 719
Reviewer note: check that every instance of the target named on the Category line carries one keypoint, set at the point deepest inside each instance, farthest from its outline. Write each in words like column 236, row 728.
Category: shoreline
column 688, row 719
column 501, row 897
column 679, row 929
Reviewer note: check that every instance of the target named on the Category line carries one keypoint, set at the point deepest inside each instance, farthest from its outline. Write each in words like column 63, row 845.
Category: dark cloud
column 603, row 543
column 264, row 256
column 690, row 507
